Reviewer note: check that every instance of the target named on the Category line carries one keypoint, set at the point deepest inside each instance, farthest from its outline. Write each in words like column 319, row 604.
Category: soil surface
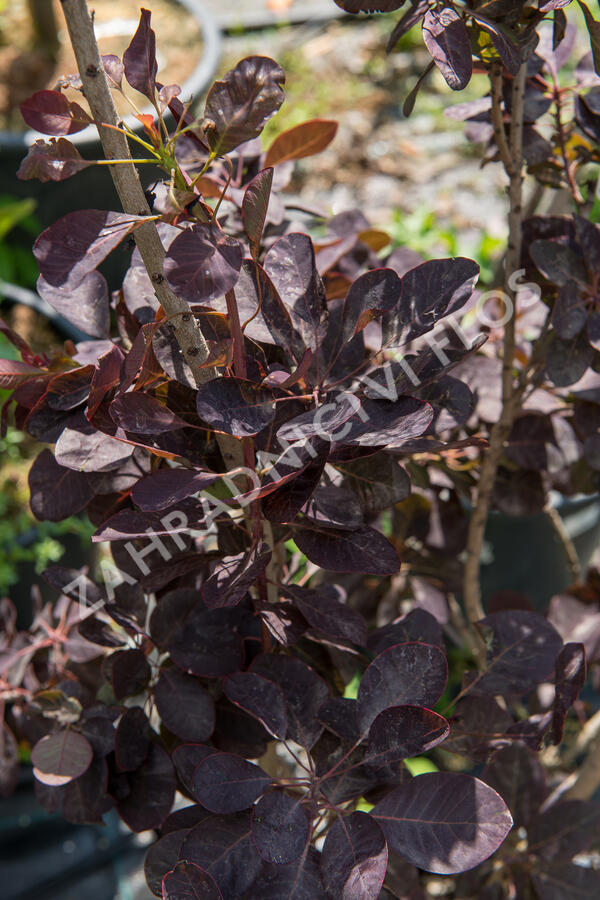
column 25, row 68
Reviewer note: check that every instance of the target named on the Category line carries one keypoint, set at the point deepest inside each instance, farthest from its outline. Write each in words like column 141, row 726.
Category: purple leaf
column 447, row 39
column 522, row 649
column 569, row 678
column 233, row 576
column 165, row 488
column 400, row 732
column 52, row 113
column 518, row 776
column 55, row 492
column 567, row 361
column 75, row 245
column 114, row 69
column 284, row 503
column 410, row 18
column 184, row 706
column 334, row 507
column 301, row 880
column 129, row 524
column 331, row 617
column 290, row 264
column 364, row 550
column 226, row 783
column 354, row 858
column 556, row 882
column 238, row 107
column 417, row 625
column 133, row 739
column 304, row 693
column 170, row 615
column 338, row 714
column 261, row 698
column 386, row 423
column 378, row 481
column 444, row 823
column 188, row 881
column 223, row 847
column 564, row 830
column 87, row 450
column 139, row 60
column 479, row 724
column 85, row 305
column 407, row 674
column 9, row 761
column 60, row 757
column 129, row 672
column 162, row 857
column 428, row 292
column 52, row 161
column 186, row 759
column 370, row 295
column 185, row 818
column 507, row 51
column 151, row 794
column 254, row 208
column 569, row 314
column 235, row 406
column 203, row 263
column 326, row 421
column 140, row 413
column 280, row 828
column 272, row 323
column 209, row 645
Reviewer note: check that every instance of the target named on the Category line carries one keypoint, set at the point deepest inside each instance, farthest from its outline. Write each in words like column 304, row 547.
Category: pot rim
column 212, row 40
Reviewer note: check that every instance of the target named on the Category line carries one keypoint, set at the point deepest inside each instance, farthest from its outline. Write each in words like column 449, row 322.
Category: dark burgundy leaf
column 326, row 421
column 301, row 141
column 272, row 323
column 522, row 649
column 567, row 361
column 60, row 757
column 444, row 823
column 386, row 423
column 53, row 160
column 234, row 406
column 588, row 238
column 593, row 28
column 478, row 725
column 226, row 783
column 279, row 828
column 328, row 615
column 378, row 481
column 557, row 882
column 184, row 706
column 447, row 39
column 52, row 113
column 86, row 305
column 400, row 732
column 133, row 739
column 290, row 264
column 565, row 829
column 203, row 263
column 114, row 68
column 223, row 847
column 593, row 330
column 165, row 488
column 334, row 507
column 129, row 524
column 140, row 413
column 162, row 857
column 189, row 882
column 371, row 294
column 171, row 614
column 129, row 671
column 569, row 678
column 338, row 714
column 304, row 693
column 569, row 313
column 254, row 208
column 417, row 625
column 238, row 107
column 186, row 758
column 518, row 776
column 233, row 576
column 209, row 645
column 77, row 243
column 407, row 674
column 558, row 262
column 364, row 550
column 139, row 60
column 152, row 790
column 354, row 858
column 428, row 292
column 284, row 503
column 83, row 800
column 13, row 372
column 506, row 49
column 301, row 880
column 87, row 450
column 261, row 698
column 56, row 492
column 185, row 818
column 410, row 18
column 284, row 622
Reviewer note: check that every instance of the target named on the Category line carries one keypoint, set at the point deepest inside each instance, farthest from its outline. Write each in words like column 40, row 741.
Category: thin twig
column 565, row 540
column 512, row 158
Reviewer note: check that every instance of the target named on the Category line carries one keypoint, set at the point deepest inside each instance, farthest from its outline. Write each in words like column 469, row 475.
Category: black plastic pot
column 93, row 188
column 524, row 553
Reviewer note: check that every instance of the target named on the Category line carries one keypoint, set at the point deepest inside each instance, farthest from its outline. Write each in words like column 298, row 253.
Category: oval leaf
column 301, row 141
column 404, row 731
column 354, row 859
column 447, row 39
column 51, row 113
column 61, row 757
column 259, row 697
column 226, row 783
column 188, row 881
column 444, row 823
column 279, row 828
